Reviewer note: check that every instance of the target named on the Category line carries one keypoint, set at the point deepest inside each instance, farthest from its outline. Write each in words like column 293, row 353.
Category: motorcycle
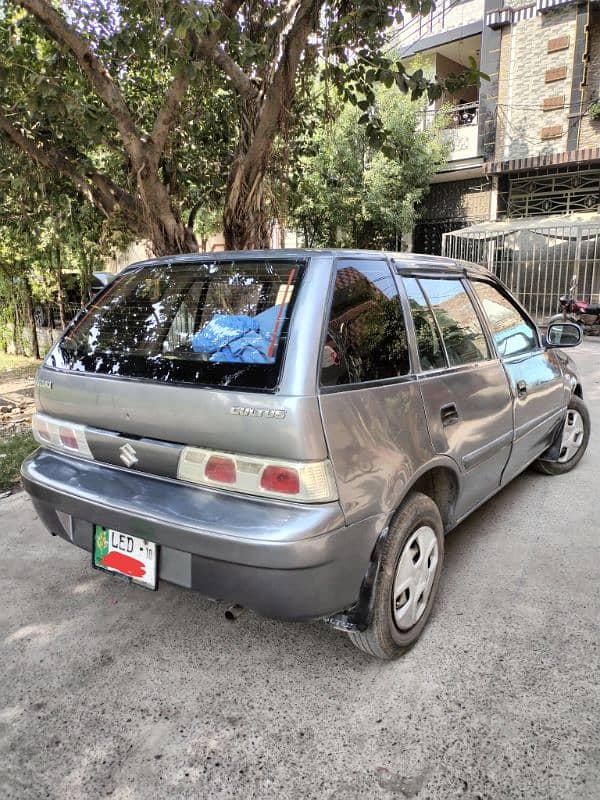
column 586, row 315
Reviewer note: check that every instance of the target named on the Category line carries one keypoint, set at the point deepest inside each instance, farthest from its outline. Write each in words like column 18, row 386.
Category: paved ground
column 108, row 690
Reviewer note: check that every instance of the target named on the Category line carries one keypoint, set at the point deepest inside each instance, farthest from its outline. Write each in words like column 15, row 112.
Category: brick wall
column 589, row 133
column 536, row 64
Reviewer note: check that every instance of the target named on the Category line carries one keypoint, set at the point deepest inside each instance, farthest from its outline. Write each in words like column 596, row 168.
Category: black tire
column 383, row 639
column 560, row 467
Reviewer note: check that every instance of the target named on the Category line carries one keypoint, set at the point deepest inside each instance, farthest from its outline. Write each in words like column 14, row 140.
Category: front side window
column 429, row 344
column 512, row 332
column 366, row 336
column 216, row 323
column 457, row 320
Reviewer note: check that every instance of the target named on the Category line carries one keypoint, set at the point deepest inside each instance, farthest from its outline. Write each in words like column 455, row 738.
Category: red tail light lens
column 42, row 429
column 280, row 479
column 220, row 469
column 68, row 438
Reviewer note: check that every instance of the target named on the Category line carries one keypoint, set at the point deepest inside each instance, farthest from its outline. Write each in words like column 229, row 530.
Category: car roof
column 412, row 261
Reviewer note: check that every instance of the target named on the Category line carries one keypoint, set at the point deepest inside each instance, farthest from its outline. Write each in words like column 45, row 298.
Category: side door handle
column 521, row 389
column 449, row 414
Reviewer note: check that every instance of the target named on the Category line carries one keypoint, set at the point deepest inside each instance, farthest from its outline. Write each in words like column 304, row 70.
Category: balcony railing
column 461, row 131
column 446, row 15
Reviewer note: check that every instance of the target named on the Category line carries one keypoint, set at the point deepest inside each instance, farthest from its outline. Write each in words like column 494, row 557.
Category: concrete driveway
column 108, row 690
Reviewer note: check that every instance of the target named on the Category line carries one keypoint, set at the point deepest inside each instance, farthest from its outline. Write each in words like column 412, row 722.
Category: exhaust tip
column 234, row 612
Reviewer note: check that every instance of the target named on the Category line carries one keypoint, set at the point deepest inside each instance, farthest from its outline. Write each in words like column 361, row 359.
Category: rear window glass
column 217, row 323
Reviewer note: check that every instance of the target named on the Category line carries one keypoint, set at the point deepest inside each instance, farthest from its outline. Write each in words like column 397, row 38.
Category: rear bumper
column 283, row 560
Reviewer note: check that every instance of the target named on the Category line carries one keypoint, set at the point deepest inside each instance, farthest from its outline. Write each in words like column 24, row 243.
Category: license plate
column 129, row 556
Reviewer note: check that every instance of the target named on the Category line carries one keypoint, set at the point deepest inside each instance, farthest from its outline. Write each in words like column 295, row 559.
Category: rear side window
column 429, row 344
column 512, row 332
column 457, row 320
column 366, row 336
column 217, row 323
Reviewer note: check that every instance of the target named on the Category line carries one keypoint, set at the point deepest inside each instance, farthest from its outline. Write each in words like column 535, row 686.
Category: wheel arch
column 438, row 479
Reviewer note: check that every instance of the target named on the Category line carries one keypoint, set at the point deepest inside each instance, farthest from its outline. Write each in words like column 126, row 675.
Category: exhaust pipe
column 234, row 612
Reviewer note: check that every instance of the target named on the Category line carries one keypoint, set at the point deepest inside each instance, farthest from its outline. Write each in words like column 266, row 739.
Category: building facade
column 521, row 189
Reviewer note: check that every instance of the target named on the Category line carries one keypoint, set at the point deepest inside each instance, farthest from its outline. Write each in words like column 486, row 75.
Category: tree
column 99, row 92
column 348, row 192
column 49, row 244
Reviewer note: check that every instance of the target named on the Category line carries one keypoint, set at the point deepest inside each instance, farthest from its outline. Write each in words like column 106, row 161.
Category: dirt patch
column 16, row 394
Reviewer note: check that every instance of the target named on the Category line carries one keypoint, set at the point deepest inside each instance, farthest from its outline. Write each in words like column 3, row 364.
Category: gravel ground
column 111, row 691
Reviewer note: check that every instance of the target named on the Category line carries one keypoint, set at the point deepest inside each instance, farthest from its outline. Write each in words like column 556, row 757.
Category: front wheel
column 408, row 579
column 574, row 440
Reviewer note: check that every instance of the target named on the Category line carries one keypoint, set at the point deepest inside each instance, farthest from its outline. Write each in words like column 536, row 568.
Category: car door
column 463, row 384
column 535, row 378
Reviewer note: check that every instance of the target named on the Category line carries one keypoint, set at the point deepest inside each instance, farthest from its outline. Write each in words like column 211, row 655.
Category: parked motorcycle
column 586, row 315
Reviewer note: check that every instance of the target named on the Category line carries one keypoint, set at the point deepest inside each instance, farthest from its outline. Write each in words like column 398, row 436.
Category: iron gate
column 537, row 261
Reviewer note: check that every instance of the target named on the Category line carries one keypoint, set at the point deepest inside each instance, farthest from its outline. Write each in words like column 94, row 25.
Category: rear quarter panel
column 378, row 440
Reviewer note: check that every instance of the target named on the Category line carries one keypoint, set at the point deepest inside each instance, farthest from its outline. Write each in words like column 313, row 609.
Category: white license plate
column 125, row 555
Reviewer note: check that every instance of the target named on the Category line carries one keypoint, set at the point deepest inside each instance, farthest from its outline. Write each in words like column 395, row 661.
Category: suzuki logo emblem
column 128, row 455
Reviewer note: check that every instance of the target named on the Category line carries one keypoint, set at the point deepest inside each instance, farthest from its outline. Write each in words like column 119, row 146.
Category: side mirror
column 563, row 334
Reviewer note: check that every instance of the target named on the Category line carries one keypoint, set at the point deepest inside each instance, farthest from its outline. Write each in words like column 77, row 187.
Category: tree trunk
column 85, row 275
column 60, row 293
column 166, row 231
column 246, row 223
column 35, row 346
column 15, row 320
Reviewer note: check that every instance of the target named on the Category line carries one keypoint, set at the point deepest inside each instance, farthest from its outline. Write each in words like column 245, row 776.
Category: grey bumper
column 283, row 560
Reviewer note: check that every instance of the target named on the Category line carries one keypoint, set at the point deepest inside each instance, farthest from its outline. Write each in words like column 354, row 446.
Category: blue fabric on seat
column 238, row 338
column 222, row 329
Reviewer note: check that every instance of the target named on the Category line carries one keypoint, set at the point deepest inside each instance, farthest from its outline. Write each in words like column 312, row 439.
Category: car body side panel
column 377, row 438
column 537, row 413
column 480, row 440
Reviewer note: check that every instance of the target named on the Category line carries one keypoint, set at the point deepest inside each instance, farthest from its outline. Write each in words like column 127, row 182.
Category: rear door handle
column 521, row 389
column 449, row 414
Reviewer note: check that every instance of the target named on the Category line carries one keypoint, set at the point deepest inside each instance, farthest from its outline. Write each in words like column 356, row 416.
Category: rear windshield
column 217, row 323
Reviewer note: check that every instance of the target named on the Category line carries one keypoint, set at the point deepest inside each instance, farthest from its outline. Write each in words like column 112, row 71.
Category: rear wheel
column 408, row 579
column 574, row 440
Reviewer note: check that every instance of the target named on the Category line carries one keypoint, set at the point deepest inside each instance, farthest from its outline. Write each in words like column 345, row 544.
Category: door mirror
column 563, row 334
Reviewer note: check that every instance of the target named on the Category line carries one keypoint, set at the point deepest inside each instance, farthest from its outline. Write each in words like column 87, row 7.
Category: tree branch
column 241, row 82
column 167, row 115
column 280, row 89
column 207, row 49
column 97, row 188
column 193, row 214
column 57, row 27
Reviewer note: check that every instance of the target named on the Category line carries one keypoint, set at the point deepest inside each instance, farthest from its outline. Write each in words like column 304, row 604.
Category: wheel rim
column 414, row 578
column 572, row 437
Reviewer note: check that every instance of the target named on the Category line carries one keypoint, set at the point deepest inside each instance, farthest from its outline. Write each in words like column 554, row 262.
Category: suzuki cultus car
column 295, row 431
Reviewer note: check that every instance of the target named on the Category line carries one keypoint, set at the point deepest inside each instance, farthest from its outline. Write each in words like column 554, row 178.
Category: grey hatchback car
column 295, row 431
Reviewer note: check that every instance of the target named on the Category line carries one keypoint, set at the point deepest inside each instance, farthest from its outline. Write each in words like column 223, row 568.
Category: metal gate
column 536, row 259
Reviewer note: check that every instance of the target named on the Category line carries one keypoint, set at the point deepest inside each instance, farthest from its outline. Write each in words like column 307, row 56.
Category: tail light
column 220, row 469
column 283, row 480
column 65, row 436
column 302, row 481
